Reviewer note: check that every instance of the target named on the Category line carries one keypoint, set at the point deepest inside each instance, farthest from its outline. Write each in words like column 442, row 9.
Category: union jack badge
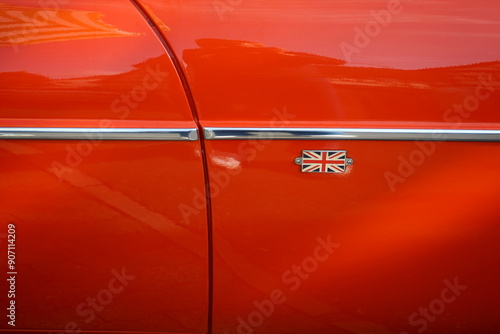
column 313, row 161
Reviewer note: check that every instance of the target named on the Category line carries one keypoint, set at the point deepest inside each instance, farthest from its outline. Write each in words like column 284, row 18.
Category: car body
column 149, row 179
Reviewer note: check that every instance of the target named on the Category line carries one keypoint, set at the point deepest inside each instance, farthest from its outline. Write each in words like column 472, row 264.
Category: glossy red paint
column 118, row 210
column 405, row 232
column 127, row 77
column 410, row 227
column 395, row 248
column 245, row 58
column 102, row 241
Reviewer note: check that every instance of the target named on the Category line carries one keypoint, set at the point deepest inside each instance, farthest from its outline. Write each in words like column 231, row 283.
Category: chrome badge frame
column 321, row 161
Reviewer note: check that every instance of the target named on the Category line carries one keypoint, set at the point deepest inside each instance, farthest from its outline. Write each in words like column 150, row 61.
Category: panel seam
column 192, row 104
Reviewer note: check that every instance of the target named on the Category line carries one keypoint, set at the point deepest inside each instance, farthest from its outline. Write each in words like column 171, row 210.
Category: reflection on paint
column 30, row 25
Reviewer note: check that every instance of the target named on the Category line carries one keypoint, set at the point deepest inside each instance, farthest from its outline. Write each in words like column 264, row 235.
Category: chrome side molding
column 248, row 133
column 351, row 134
column 99, row 134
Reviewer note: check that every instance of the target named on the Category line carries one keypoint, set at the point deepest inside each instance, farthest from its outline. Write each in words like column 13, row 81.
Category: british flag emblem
column 324, row 161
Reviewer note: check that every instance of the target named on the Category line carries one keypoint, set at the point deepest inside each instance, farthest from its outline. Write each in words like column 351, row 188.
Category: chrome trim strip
column 99, row 134
column 351, row 134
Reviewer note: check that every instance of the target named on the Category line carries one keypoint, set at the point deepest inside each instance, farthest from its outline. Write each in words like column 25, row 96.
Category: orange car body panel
column 246, row 58
column 78, row 229
column 411, row 219
column 101, row 239
column 404, row 242
column 393, row 251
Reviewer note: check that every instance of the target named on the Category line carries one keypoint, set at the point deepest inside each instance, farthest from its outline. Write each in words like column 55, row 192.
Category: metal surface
column 352, row 134
column 97, row 133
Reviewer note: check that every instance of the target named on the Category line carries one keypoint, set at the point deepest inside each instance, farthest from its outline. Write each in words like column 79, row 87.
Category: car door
column 353, row 155
column 99, row 155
